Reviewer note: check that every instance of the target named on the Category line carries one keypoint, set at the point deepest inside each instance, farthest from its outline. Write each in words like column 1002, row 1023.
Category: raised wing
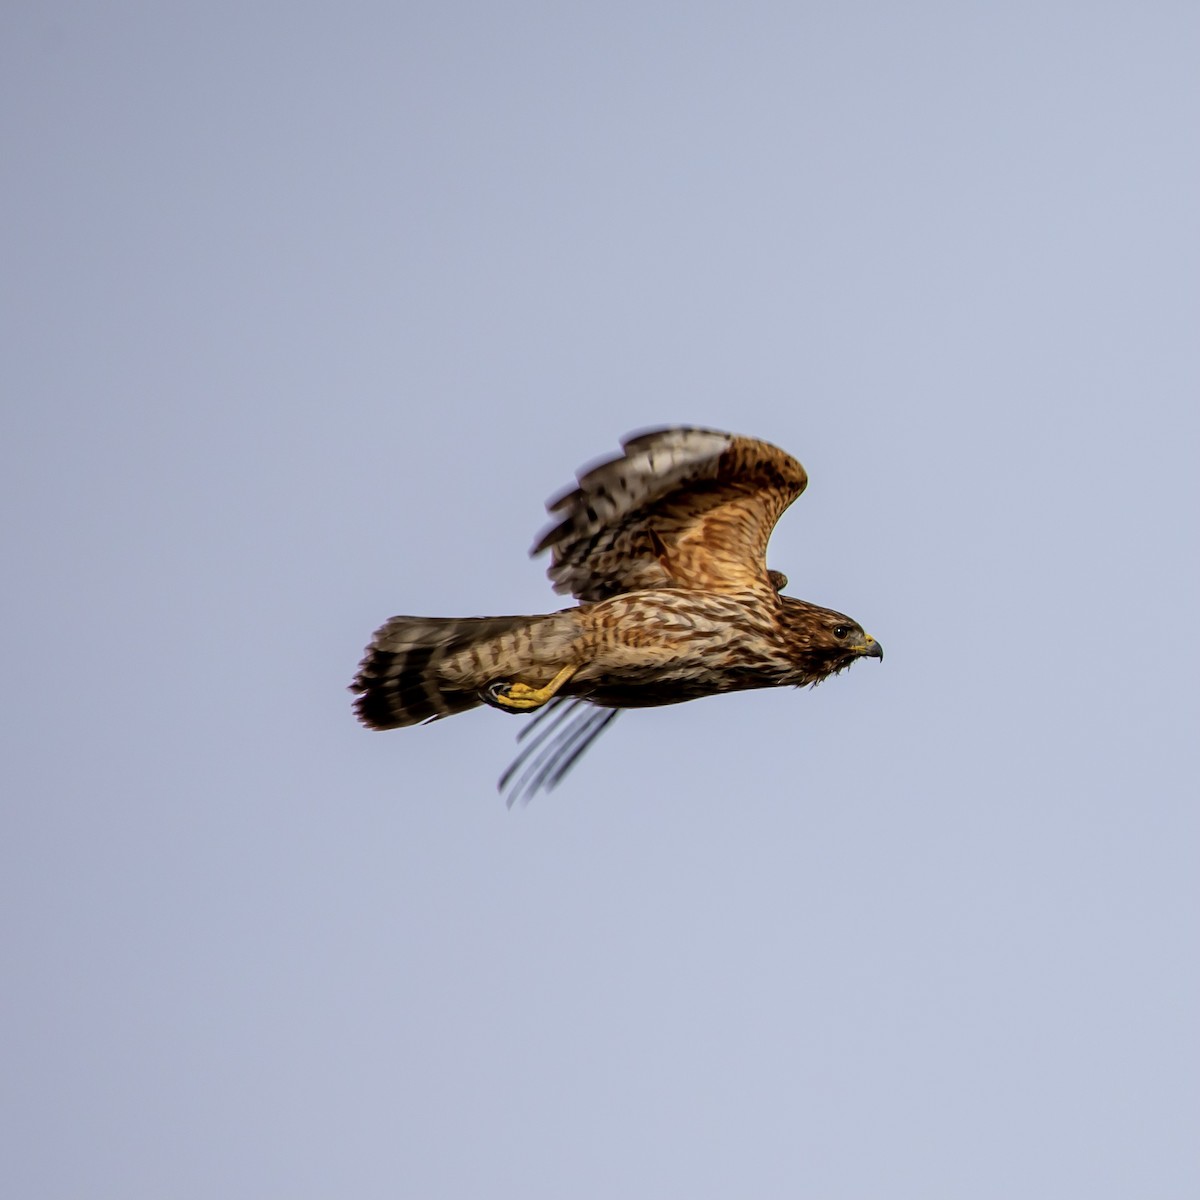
column 687, row 508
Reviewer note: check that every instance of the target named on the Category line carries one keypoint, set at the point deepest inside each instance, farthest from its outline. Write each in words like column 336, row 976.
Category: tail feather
column 399, row 681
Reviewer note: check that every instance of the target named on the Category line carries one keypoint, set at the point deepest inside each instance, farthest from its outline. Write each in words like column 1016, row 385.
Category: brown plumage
column 665, row 548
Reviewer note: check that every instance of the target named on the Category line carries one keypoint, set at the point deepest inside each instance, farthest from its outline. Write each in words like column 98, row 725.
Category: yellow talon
column 521, row 697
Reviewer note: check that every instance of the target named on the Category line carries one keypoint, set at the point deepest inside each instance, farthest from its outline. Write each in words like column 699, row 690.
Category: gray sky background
column 306, row 310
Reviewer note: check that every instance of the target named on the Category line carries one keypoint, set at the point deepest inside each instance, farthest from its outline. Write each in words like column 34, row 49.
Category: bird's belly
column 645, row 686
column 652, row 648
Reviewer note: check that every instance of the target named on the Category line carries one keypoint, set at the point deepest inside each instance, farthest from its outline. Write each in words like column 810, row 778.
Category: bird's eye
column 841, row 631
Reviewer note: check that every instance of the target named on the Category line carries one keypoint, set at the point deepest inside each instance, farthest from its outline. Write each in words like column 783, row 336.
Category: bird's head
column 824, row 641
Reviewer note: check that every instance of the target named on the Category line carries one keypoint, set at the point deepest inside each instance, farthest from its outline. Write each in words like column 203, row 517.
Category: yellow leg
column 520, row 697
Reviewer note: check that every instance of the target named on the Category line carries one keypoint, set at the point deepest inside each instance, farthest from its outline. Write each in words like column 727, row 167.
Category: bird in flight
column 664, row 548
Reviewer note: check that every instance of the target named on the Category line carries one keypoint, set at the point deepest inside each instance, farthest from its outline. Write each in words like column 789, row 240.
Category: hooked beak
column 869, row 648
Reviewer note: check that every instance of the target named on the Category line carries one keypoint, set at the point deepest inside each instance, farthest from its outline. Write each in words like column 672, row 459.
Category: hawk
column 664, row 548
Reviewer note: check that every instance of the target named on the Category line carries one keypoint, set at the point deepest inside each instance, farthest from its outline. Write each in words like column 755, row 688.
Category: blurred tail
column 400, row 681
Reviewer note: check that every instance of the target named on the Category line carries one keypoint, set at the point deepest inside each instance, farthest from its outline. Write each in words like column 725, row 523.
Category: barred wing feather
column 684, row 507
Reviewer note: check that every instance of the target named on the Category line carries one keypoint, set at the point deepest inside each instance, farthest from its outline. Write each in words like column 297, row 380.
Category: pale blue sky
column 308, row 308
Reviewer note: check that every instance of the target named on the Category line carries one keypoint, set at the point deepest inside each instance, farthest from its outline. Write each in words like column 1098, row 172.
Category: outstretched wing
column 687, row 508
